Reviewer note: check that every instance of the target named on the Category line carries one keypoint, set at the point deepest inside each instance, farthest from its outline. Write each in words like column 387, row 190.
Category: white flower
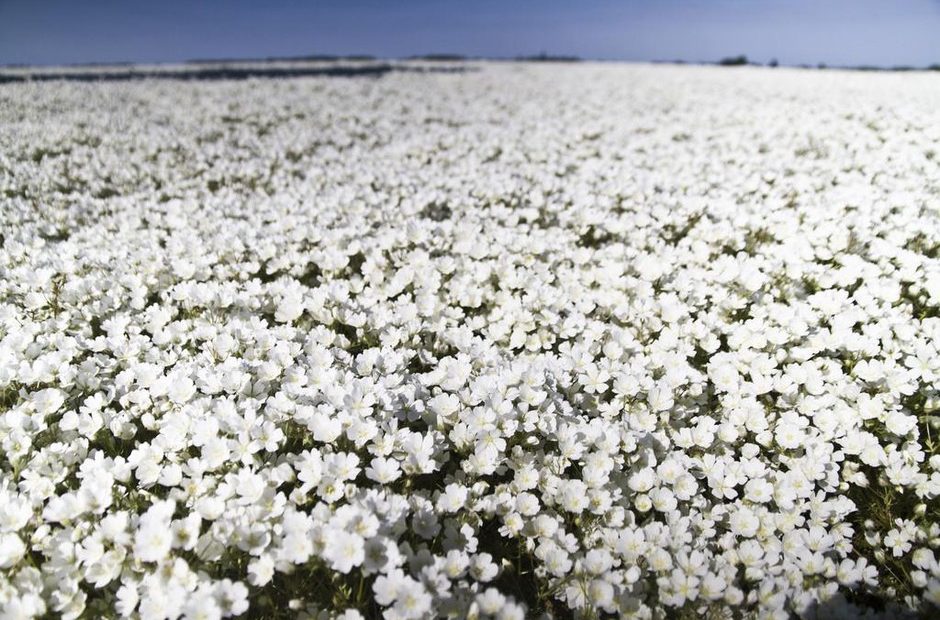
column 899, row 423
column 660, row 398
column 152, row 543
column 789, row 436
column 260, row 571
column 724, row 376
column 48, row 401
column 11, row 550
column 181, row 389
column 383, row 470
column 154, row 537
column 758, row 490
column 491, row 601
column 289, row 308
column 642, row 480
column 743, row 522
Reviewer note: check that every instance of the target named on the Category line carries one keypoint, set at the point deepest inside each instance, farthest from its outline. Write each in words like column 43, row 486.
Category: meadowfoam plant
column 523, row 340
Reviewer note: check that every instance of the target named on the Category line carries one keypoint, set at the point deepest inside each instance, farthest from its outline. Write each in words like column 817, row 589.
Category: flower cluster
column 520, row 340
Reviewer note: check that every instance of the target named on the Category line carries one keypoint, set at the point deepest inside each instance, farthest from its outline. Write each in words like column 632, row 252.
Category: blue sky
column 837, row 32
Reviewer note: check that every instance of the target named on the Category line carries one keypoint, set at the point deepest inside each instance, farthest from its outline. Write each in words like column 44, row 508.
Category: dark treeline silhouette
column 440, row 57
column 543, row 57
column 308, row 58
column 223, row 73
column 741, row 60
column 733, row 61
column 333, row 66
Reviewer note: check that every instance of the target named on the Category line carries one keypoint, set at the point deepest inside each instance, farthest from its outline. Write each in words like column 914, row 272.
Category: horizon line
column 738, row 60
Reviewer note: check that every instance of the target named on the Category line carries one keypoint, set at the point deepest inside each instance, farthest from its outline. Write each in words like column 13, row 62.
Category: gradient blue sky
column 837, row 32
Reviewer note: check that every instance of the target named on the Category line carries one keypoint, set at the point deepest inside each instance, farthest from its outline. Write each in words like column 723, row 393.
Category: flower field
column 519, row 340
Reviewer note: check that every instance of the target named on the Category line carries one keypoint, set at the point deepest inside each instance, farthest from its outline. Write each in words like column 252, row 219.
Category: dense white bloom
column 422, row 343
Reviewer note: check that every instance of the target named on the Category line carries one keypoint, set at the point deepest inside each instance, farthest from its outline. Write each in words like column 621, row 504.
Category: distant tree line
column 742, row 60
